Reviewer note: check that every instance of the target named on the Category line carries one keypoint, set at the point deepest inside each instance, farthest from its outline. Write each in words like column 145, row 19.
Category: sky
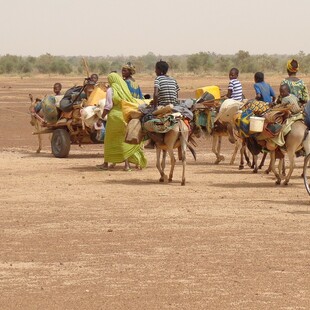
column 163, row 27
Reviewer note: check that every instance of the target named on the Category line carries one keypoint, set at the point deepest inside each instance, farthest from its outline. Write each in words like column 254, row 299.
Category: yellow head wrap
column 120, row 89
column 129, row 66
column 290, row 67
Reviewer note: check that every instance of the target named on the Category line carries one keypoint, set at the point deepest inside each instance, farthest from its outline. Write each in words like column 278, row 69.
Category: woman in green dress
column 115, row 148
column 297, row 86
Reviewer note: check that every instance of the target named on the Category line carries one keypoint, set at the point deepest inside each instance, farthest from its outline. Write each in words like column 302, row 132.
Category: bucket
column 256, row 123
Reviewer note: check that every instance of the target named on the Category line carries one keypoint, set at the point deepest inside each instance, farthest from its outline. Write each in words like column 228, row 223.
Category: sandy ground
column 74, row 237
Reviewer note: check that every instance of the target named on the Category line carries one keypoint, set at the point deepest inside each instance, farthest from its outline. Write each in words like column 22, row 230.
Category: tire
column 60, row 143
column 306, row 173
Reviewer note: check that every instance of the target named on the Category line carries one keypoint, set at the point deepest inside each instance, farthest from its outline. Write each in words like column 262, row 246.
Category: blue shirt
column 265, row 90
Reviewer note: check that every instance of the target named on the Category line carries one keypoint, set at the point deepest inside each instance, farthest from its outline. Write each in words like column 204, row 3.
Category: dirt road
column 74, row 237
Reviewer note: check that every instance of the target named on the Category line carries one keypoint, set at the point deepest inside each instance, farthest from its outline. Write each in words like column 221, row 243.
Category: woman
column 297, row 86
column 128, row 71
column 115, row 149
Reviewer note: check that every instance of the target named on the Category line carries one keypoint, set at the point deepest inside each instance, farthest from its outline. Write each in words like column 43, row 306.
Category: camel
column 177, row 137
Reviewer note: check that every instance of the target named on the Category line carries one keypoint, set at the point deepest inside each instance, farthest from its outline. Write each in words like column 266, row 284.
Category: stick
column 86, row 67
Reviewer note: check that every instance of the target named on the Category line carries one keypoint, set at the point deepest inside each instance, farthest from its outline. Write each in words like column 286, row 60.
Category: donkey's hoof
column 285, row 183
column 183, row 183
column 163, row 179
column 170, row 180
column 278, row 182
column 267, row 171
column 255, row 171
column 241, row 167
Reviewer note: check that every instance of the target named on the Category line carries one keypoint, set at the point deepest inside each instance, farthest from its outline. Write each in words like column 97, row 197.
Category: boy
column 165, row 87
column 234, row 86
column 288, row 100
column 264, row 91
column 57, row 89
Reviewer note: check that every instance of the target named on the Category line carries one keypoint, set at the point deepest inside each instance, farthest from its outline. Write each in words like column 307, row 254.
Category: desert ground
column 75, row 237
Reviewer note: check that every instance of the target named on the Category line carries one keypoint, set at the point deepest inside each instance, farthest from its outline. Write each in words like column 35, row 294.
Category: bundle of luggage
column 144, row 118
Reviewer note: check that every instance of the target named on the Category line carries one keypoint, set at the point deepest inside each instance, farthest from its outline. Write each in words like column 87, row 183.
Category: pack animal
column 35, row 121
column 165, row 143
column 297, row 138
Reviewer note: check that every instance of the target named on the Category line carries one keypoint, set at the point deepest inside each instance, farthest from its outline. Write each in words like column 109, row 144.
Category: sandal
column 102, row 167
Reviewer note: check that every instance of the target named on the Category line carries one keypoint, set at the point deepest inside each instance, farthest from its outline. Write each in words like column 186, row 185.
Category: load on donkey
column 277, row 129
column 206, row 107
column 167, row 126
column 73, row 118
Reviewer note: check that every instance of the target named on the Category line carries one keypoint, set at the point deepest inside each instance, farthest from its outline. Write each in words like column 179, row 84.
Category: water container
column 256, row 123
column 214, row 90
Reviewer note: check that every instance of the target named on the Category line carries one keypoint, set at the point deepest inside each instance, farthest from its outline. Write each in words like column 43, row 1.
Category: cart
column 69, row 129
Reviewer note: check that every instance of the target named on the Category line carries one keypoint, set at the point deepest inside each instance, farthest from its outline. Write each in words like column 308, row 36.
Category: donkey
column 297, row 138
column 178, row 138
column 35, row 121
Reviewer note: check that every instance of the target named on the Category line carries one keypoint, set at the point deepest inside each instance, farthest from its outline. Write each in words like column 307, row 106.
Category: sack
column 96, row 95
column 49, row 110
column 134, row 134
column 128, row 107
column 70, row 96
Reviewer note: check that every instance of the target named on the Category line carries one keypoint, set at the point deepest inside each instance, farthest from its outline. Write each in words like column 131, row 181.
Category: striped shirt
column 236, row 89
column 167, row 90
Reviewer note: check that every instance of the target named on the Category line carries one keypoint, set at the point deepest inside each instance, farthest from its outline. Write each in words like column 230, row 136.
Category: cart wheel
column 306, row 173
column 60, row 143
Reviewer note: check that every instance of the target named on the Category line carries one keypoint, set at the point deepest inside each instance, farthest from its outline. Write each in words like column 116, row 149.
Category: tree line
column 198, row 63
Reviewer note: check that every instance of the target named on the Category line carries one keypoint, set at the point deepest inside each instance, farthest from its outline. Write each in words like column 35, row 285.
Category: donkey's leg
column 272, row 166
column 159, row 165
column 291, row 158
column 38, row 129
column 183, row 147
column 172, row 163
column 255, row 157
column 233, row 158
column 242, row 153
column 216, row 148
column 261, row 165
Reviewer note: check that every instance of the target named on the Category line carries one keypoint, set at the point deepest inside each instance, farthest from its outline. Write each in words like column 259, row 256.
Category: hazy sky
column 164, row 27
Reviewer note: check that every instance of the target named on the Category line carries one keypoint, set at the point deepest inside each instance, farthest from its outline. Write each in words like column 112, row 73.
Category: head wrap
column 120, row 89
column 129, row 66
column 290, row 67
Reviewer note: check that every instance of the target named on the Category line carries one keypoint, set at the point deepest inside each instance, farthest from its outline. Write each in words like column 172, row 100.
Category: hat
column 129, row 66
column 292, row 66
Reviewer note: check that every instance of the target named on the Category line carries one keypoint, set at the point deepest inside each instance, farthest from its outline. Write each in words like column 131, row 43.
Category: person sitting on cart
column 57, row 92
column 94, row 78
column 57, row 89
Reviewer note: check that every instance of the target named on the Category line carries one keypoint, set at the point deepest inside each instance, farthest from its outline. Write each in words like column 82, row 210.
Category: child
column 264, row 91
column 234, row 86
column 288, row 100
column 57, row 89
column 94, row 78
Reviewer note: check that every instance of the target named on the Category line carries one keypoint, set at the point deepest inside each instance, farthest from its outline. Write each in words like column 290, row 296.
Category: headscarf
column 120, row 89
column 290, row 67
column 129, row 66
